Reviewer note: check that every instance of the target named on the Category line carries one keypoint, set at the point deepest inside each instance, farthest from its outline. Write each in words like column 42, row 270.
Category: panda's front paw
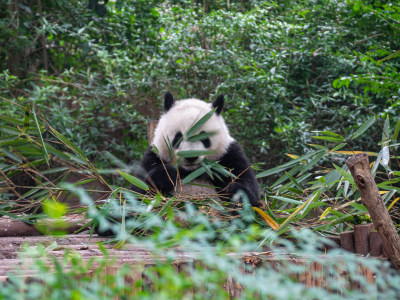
column 163, row 178
column 240, row 193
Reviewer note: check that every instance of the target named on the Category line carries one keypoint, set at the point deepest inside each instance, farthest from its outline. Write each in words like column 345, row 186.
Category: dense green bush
column 98, row 72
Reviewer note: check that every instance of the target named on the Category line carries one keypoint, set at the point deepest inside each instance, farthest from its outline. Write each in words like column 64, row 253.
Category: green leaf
column 312, row 198
column 329, row 133
column 193, row 175
column 196, row 126
column 359, row 207
column 288, row 200
column 396, row 130
column 394, row 55
column 294, row 181
column 329, row 138
column 54, row 209
column 45, row 153
column 201, row 136
column 338, row 147
column 313, row 162
column 286, row 165
column 194, row 153
column 363, row 128
column 70, row 145
column 135, row 181
column 347, row 176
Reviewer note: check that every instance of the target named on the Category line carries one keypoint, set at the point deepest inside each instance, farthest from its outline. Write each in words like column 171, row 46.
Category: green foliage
column 72, row 277
column 292, row 71
column 287, row 67
column 336, row 201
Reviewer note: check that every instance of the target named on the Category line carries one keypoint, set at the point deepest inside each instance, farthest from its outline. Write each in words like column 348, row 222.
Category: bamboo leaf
column 201, row 136
column 288, row 200
column 135, row 181
column 393, row 203
column 340, row 146
column 347, row 176
column 70, row 145
column 45, row 153
column 396, row 130
column 266, row 218
column 363, row 128
column 286, row 165
column 329, row 138
column 193, row 175
column 354, row 152
column 330, row 133
column 313, row 162
column 393, row 55
column 194, row 153
column 292, row 179
column 325, row 213
column 288, row 219
column 196, row 126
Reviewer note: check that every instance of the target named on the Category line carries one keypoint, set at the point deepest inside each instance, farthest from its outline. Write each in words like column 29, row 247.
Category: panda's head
column 178, row 118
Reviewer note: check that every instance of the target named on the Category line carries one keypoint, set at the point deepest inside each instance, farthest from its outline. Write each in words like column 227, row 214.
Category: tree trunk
column 360, row 170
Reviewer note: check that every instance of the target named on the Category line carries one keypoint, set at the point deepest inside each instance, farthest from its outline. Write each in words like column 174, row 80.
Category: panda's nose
column 191, row 159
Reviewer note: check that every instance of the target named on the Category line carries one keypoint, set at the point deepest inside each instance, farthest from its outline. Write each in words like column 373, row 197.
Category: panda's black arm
column 160, row 175
column 236, row 161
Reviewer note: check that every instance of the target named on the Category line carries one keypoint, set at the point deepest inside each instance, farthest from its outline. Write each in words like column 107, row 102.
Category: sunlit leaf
column 267, row 218
column 325, row 213
column 393, row 203
column 313, row 197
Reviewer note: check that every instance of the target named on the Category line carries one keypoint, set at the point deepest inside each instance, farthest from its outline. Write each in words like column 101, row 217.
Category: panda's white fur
column 164, row 171
column 182, row 115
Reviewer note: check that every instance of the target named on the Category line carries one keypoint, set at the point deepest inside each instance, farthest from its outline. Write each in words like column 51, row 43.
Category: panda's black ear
column 168, row 101
column 219, row 104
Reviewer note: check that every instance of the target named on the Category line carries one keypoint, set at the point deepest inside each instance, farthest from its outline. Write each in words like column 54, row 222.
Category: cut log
column 361, row 238
column 347, row 241
column 151, row 127
column 375, row 244
column 360, row 170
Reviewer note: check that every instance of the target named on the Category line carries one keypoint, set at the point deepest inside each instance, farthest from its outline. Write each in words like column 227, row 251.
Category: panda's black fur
column 162, row 175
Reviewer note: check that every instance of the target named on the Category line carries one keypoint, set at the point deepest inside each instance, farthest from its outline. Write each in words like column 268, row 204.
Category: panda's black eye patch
column 206, row 142
column 177, row 139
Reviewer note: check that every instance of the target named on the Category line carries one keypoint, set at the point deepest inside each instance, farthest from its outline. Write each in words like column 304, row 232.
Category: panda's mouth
column 191, row 163
column 190, row 166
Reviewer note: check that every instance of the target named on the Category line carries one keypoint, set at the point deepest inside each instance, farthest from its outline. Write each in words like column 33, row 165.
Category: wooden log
column 361, row 238
column 151, row 127
column 360, row 170
column 12, row 227
column 336, row 243
column 347, row 241
column 375, row 244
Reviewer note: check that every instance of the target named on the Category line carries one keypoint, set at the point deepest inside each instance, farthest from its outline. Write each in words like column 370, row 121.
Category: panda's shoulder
column 233, row 153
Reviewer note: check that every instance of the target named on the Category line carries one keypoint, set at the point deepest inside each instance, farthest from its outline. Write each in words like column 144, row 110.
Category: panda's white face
column 178, row 118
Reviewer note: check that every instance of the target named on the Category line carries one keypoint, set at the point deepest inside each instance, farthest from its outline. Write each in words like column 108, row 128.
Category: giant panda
column 164, row 168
